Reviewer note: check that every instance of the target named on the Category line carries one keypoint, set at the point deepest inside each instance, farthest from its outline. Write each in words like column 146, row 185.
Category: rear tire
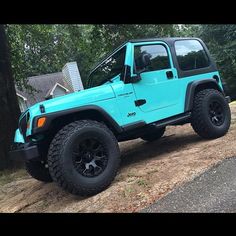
column 84, row 157
column 211, row 115
column 157, row 134
column 38, row 171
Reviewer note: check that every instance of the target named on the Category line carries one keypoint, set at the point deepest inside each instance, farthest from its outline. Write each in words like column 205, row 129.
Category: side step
column 137, row 129
column 179, row 119
column 174, row 120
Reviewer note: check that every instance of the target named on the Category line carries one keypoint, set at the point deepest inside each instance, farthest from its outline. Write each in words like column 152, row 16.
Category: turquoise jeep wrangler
column 135, row 92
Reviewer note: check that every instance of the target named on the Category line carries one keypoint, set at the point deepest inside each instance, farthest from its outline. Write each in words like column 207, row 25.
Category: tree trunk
column 9, row 108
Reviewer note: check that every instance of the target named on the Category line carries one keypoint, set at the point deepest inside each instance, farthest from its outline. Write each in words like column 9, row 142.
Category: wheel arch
column 57, row 120
column 196, row 86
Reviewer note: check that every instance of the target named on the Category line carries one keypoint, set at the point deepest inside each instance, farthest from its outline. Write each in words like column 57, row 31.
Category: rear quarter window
column 191, row 55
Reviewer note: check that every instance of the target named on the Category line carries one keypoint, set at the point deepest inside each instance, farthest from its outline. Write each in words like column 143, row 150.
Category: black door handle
column 169, row 74
column 140, row 102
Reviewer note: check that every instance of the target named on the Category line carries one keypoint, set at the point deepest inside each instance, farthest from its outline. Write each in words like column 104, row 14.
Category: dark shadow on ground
column 146, row 150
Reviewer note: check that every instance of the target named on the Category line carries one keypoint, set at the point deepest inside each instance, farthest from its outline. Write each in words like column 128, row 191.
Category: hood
column 76, row 99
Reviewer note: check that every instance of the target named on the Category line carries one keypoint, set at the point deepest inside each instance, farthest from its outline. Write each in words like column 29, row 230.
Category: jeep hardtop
column 135, row 92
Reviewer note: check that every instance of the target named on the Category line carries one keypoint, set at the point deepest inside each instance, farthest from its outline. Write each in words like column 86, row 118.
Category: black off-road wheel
column 84, row 157
column 39, row 171
column 211, row 115
column 157, row 134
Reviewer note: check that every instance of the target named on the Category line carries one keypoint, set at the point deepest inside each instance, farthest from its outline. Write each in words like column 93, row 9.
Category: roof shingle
column 43, row 84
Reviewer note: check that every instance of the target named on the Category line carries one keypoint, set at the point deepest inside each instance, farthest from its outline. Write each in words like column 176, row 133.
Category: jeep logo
column 131, row 114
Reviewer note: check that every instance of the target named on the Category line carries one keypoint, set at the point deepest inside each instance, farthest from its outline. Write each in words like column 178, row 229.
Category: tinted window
column 191, row 55
column 107, row 70
column 158, row 55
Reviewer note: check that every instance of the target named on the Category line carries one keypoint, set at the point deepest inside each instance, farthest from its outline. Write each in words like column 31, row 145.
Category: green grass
column 128, row 191
column 142, row 182
column 7, row 176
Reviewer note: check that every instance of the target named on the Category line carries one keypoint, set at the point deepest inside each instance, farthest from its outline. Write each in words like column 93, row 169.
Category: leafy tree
column 37, row 49
column 221, row 40
column 186, row 30
column 110, row 36
column 41, row 49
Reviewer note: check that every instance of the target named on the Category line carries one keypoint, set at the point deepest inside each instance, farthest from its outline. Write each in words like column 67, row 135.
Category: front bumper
column 25, row 151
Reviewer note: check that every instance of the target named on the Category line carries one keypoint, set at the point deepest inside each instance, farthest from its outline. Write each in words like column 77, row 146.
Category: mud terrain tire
column 211, row 115
column 84, row 157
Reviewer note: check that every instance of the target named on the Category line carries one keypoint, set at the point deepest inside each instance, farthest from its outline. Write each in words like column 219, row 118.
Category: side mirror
column 142, row 62
column 146, row 60
column 126, row 75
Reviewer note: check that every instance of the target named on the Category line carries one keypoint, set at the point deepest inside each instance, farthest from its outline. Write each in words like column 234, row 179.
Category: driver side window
column 158, row 56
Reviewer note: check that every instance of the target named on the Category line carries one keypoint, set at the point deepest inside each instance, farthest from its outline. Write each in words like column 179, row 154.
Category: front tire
column 84, row 157
column 38, row 171
column 211, row 115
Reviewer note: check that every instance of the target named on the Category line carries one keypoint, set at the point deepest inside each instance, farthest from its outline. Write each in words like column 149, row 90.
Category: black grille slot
column 23, row 124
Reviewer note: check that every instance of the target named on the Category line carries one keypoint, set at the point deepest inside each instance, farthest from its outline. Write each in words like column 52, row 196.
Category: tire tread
column 57, row 148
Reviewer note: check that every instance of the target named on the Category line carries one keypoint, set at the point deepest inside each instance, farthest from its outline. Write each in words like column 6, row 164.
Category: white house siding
column 22, row 104
column 72, row 76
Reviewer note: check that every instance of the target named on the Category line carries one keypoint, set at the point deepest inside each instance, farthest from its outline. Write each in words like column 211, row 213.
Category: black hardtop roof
column 166, row 39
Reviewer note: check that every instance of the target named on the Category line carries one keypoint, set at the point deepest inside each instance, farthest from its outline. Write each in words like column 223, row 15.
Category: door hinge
column 139, row 102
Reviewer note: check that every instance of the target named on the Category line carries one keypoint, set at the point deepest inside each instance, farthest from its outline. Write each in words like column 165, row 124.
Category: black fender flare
column 52, row 116
column 190, row 92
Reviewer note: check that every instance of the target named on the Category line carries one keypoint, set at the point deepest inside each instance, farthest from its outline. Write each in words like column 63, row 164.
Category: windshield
column 110, row 68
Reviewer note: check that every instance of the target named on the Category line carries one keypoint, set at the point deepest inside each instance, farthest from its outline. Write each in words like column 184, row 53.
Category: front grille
column 23, row 124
